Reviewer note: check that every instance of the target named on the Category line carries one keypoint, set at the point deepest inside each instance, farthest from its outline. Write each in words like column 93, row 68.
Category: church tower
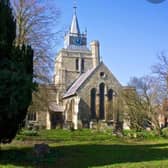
column 75, row 58
column 74, row 39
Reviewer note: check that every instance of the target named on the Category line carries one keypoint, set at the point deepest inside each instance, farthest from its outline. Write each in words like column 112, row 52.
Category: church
column 84, row 91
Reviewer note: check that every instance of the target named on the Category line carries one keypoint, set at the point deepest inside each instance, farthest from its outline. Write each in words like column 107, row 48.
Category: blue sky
column 131, row 32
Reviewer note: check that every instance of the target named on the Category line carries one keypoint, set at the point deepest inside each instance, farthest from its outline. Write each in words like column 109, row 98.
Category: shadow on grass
column 84, row 156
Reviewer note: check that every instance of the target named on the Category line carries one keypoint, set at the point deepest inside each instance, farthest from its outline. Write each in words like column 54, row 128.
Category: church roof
column 80, row 80
column 83, row 78
column 74, row 25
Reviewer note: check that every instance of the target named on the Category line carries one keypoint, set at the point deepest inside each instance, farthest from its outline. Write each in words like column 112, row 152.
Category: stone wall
column 112, row 111
column 40, row 103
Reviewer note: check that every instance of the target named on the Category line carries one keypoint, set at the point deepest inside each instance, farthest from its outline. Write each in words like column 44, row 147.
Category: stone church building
column 84, row 91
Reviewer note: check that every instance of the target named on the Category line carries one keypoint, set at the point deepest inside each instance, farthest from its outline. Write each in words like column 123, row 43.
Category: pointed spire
column 74, row 25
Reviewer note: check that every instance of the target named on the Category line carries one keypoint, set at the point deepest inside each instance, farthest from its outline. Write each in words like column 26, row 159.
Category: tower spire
column 74, row 25
column 74, row 37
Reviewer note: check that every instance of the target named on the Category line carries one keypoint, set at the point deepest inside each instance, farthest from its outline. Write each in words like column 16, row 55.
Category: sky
column 132, row 33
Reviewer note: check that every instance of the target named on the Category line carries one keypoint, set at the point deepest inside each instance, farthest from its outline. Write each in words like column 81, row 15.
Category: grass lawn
column 85, row 149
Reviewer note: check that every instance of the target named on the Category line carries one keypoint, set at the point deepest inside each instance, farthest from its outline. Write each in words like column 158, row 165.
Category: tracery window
column 110, row 94
column 101, row 100
column 93, row 103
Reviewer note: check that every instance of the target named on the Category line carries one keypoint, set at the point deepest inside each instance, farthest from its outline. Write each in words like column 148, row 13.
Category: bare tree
column 144, row 106
column 161, row 70
column 133, row 114
column 37, row 25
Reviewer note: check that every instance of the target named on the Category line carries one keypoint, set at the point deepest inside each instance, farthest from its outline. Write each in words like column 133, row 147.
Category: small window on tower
column 83, row 65
column 77, row 64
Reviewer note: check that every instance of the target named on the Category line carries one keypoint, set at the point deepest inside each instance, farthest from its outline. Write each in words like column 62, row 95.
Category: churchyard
column 86, row 149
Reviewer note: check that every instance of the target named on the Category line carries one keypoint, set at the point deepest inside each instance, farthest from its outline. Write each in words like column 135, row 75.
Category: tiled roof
column 80, row 80
column 55, row 107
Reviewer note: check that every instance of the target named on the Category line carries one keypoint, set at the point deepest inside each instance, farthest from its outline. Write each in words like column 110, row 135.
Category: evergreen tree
column 16, row 75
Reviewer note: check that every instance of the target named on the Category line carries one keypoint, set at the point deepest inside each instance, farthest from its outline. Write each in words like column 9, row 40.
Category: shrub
column 129, row 133
column 165, row 132
column 33, row 126
column 29, row 133
column 140, row 134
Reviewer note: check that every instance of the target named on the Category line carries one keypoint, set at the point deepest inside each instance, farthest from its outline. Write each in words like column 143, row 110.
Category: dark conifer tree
column 16, row 76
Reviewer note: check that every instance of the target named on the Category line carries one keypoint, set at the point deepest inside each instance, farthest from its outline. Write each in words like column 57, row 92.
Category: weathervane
column 74, row 6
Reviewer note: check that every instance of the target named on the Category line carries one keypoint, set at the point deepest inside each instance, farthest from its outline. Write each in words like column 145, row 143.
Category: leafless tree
column 133, row 113
column 37, row 25
column 143, row 106
column 161, row 70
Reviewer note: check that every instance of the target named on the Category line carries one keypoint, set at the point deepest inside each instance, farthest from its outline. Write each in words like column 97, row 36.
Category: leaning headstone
column 41, row 150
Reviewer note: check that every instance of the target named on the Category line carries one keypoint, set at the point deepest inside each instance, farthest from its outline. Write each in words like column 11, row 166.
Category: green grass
column 85, row 149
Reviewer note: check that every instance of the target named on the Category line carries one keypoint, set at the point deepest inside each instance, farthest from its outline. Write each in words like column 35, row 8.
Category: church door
column 56, row 120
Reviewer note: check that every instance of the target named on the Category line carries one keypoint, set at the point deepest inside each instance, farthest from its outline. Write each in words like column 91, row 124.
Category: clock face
column 78, row 41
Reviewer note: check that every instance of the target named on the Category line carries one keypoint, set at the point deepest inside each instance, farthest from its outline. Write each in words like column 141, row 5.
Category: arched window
column 31, row 116
column 82, row 64
column 77, row 64
column 110, row 94
column 93, row 103
column 101, row 100
column 110, row 104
